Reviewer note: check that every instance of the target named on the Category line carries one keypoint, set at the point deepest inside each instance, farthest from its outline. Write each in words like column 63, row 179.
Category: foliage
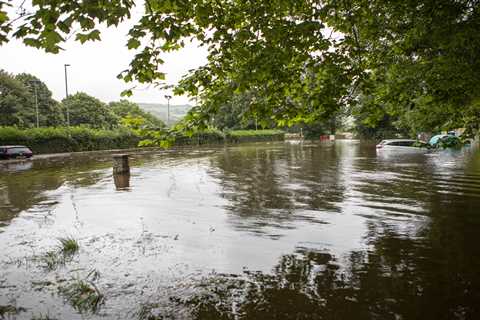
column 51, row 140
column 303, row 59
column 198, row 137
column 125, row 109
column 254, row 135
column 17, row 102
column 50, row 111
column 89, row 111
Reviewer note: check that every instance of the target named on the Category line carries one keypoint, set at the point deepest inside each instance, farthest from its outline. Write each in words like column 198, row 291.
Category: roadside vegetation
column 372, row 66
column 236, row 136
column 62, row 139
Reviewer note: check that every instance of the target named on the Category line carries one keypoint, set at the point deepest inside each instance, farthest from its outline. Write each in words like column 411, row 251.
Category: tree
column 305, row 58
column 125, row 108
column 89, row 111
column 50, row 111
column 15, row 106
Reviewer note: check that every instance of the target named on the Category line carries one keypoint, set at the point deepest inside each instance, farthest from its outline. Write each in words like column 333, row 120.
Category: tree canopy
column 17, row 102
column 304, row 59
column 89, row 111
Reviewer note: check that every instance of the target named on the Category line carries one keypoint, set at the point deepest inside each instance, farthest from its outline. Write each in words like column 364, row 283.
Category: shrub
column 207, row 136
column 254, row 135
column 51, row 140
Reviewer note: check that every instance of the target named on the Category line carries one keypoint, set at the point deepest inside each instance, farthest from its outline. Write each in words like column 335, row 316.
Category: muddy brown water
column 257, row 231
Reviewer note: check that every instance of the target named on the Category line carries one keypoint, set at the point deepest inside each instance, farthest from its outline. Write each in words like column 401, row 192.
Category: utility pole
column 36, row 105
column 168, row 97
column 66, row 93
column 35, row 83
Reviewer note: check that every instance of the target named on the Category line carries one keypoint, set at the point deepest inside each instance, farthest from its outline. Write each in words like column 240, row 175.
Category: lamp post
column 66, row 93
column 35, row 83
column 168, row 97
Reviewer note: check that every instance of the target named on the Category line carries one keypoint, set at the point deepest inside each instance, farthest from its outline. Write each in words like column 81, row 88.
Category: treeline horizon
column 20, row 94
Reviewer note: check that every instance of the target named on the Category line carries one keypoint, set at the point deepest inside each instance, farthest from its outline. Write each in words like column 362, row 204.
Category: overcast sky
column 95, row 65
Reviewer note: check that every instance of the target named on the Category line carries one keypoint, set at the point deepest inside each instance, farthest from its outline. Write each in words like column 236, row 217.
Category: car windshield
column 18, row 150
column 404, row 143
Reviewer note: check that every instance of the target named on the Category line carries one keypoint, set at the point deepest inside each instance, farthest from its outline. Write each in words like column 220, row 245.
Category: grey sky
column 95, row 65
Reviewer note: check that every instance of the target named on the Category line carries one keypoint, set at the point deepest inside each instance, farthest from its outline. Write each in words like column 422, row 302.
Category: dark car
column 12, row 152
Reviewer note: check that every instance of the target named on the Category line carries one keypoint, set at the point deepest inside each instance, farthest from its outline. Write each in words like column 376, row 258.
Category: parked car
column 12, row 152
column 398, row 144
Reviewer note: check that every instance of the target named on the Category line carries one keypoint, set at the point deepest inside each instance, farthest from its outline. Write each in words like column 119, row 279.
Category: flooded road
column 258, row 231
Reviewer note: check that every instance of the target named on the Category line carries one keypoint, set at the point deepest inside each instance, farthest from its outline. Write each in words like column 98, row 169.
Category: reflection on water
column 262, row 231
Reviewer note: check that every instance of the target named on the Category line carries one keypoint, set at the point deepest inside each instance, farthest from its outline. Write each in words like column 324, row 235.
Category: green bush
column 208, row 136
column 52, row 140
column 74, row 139
column 237, row 136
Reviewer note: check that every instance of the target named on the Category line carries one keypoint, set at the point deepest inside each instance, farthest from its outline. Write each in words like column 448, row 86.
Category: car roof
column 13, row 146
column 396, row 140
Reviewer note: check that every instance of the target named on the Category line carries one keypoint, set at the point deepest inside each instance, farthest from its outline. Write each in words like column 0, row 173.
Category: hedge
column 73, row 139
column 209, row 136
column 53, row 140
column 237, row 136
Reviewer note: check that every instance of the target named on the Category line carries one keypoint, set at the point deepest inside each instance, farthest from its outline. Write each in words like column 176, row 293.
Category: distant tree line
column 19, row 95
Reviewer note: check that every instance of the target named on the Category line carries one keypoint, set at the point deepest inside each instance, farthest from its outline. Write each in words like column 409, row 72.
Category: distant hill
column 177, row 112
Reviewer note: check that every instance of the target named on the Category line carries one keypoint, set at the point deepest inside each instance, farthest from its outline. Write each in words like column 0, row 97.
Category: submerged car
column 399, row 144
column 445, row 141
column 12, row 152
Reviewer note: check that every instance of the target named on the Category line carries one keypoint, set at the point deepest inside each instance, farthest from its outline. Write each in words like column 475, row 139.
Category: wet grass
column 43, row 317
column 145, row 312
column 68, row 246
column 52, row 259
column 83, row 295
column 65, row 250
column 9, row 310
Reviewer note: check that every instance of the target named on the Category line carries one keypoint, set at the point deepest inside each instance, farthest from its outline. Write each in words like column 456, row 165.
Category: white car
column 397, row 144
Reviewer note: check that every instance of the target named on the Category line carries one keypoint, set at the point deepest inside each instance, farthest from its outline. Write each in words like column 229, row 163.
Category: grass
column 65, row 250
column 68, row 246
column 145, row 312
column 52, row 260
column 43, row 317
column 83, row 295
column 9, row 310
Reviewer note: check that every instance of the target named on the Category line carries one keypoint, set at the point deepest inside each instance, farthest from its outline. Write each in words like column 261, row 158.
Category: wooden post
column 121, row 180
column 120, row 164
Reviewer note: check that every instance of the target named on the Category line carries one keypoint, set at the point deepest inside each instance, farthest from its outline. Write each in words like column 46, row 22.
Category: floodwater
column 257, row 231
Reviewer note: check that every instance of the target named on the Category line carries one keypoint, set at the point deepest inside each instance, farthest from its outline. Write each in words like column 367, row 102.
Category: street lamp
column 35, row 83
column 66, row 93
column 168, row 97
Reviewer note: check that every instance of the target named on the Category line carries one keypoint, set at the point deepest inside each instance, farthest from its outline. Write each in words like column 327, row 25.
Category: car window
column 393, row 143
column 18, row 150
column 401, row 143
